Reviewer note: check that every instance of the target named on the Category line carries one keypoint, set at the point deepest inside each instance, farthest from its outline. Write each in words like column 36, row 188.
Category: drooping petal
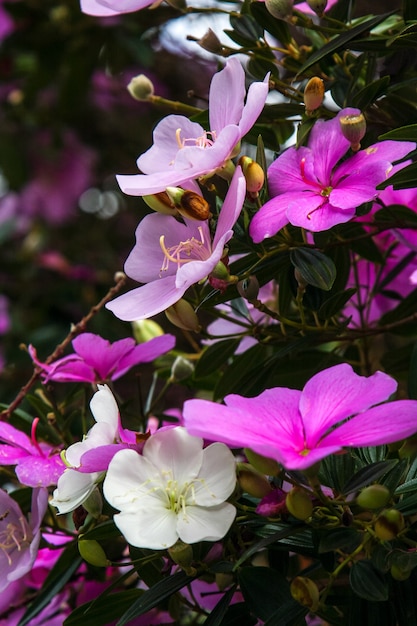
column 97, row 459
column 146, row 301
column 148, row 527
column 174, row 450
column 226, row 97
column 106, row 8
column 196, row 523
column 337, row 393
column 16, row 437
column 217, row 476
column 72, row 490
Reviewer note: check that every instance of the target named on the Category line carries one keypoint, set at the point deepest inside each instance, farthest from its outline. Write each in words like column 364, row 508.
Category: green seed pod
column 353, row 128
column 266, row 466
column 299, row 503
column 373, row 497
column 251, row 482
column 92, row 552
column 390, row 522
column 306, row 592
column 399, row 574
column 141, row 88
column 182, row 315
column 281, row 9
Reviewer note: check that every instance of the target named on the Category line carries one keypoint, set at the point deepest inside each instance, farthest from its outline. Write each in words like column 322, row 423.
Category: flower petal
column 227, row 94
column 270, row 218
column 196, row 523
column 217, row 476
column 175, row 451
column 148, row 527
column 146, row 301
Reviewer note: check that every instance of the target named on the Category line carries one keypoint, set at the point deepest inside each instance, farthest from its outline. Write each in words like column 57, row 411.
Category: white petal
column 104, row 407
column 217, row 477
column 153, row 528
column 174, row 450
column 73, row 489
column 205, row 524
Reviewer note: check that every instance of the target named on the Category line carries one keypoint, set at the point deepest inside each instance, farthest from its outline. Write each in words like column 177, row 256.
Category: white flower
column 174, row 490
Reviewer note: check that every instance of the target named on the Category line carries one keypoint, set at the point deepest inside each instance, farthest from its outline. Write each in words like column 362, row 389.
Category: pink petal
column 39, row 471
column 146, row 301
column 285, row 174
column 232, row 205
column 328, row 145
column 255, row 101
column 316, row 214
column 227, row 94
column 270, row 218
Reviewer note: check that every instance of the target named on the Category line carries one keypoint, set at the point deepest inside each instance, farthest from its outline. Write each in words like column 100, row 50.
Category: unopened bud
column 318, row 6
column 182, row 315
column 92, row 552
column 251, row 482
column 181, row 369
column 161, row 203
column 144, row 330
column 281, row 9
column 306, row 592
column 94, row 503
column 220, row 277
column 182, row 554
column 141, row 88
column 299, row 503
column 389, row 523
column 248, row 288
column 353, row 129
column 253, row 173
column 266, row 466
column 373, row 497
column 189, row 204
column 313, row 94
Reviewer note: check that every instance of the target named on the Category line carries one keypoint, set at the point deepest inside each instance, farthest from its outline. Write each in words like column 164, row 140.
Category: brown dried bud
column 281, row 9
column 313, row 94
column 210, row 42
column 353, row 128
column 189, row 204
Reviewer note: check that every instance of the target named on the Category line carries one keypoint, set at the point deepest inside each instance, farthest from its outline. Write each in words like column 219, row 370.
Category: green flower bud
column 144, row 330
column 161, row 203
column 141, row 88
column 281, row 9
column 306, row 592
column 299, row 503
column 92, row 552
column 390, row 522
column 353, row 128
column 266, row 466
column 94, row 503
column 182, row 315
column 373, row 497
column 181, row 369
column 318, row 6
column 223, row 580
column 182, row 554
column 251, row 482
column 313, row 94
column 399, row 574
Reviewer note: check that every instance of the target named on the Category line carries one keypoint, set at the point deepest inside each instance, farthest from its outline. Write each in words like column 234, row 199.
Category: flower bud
column 251, row 482
column 266, row 466
column 144, row 330
column 389, row 523
column 373, row 497
column 182, row 554
column 161, row 203
column 94, row 503
column 181, row 369
column 318, row 6
column 92, row 552
column 299, row 503
column 182, row 315
column 353, row 129
column 253, row 173
column 141, row 88
column 189, row 204
column 306, row 592
column 313, row 94
column 281, row 9
column 248, row 288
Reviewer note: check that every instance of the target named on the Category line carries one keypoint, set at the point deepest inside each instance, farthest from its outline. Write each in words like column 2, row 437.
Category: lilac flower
column 183, row 151
column 106, row 8
column 19, row 538
column 38, row 464
column 310, row 189
column 170, row 256
column 174, row 490
column 298, row 428
column 97, row 360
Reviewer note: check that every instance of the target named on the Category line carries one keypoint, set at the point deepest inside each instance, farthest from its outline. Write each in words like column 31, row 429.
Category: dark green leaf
column 408, row 504
column 406, row 308
column 367, row 582
column 285, row 531
column 277, row 28
column 264, row 590
column 215, row 357
column 395, row 476
column 339, row 539
column 64, row 568
column 217, row 614
column 111, row 606
column 335, row 303
column 412, row 374
column 303, row 131
column 246, row 26
column 398, row 215
column 291, row 613
column 155, row 595
column 367, row 475
column 366, row 96
column 409, row 10
column 315, row 267
column 403, row 179
column 238, row 615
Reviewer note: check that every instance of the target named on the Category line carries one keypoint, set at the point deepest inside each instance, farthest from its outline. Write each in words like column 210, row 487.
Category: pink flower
column 311, row 189
column 97, row 360
column 298, row 428
column 170, row 256
column 19, row 538
column 184, row 151
column 106, row 8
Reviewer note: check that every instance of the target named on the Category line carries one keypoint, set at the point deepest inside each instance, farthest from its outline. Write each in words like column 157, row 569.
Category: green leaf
column 367, row 582
column 397, row 214
column 367, row 475
column 64, row 568
column 283, row 532
column 291, row 613
column 217, row 614
column 342, row 41
column 335, row 303
column 347, row 539
column 409, row 10
column 315, row 267
column 154, row 596
column 111, row 606
column 277, row 28
column 404, row 179
column 264, row 590
column 215, row 356
column 246, row 25
column 367, row 96
column 412, row 375
column 238, row 615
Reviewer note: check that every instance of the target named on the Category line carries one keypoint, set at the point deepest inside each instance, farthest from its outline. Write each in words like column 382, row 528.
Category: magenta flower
column 19, row 538
column 170, row 256
column 309, row 187
column 107, row 8
column 97, row 360
column 38, row 464
column 298, row 428
column 183, row 151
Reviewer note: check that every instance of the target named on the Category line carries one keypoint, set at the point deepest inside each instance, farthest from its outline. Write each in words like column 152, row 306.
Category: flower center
column 206, row 140
column 13, row 536
column 190, row 250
